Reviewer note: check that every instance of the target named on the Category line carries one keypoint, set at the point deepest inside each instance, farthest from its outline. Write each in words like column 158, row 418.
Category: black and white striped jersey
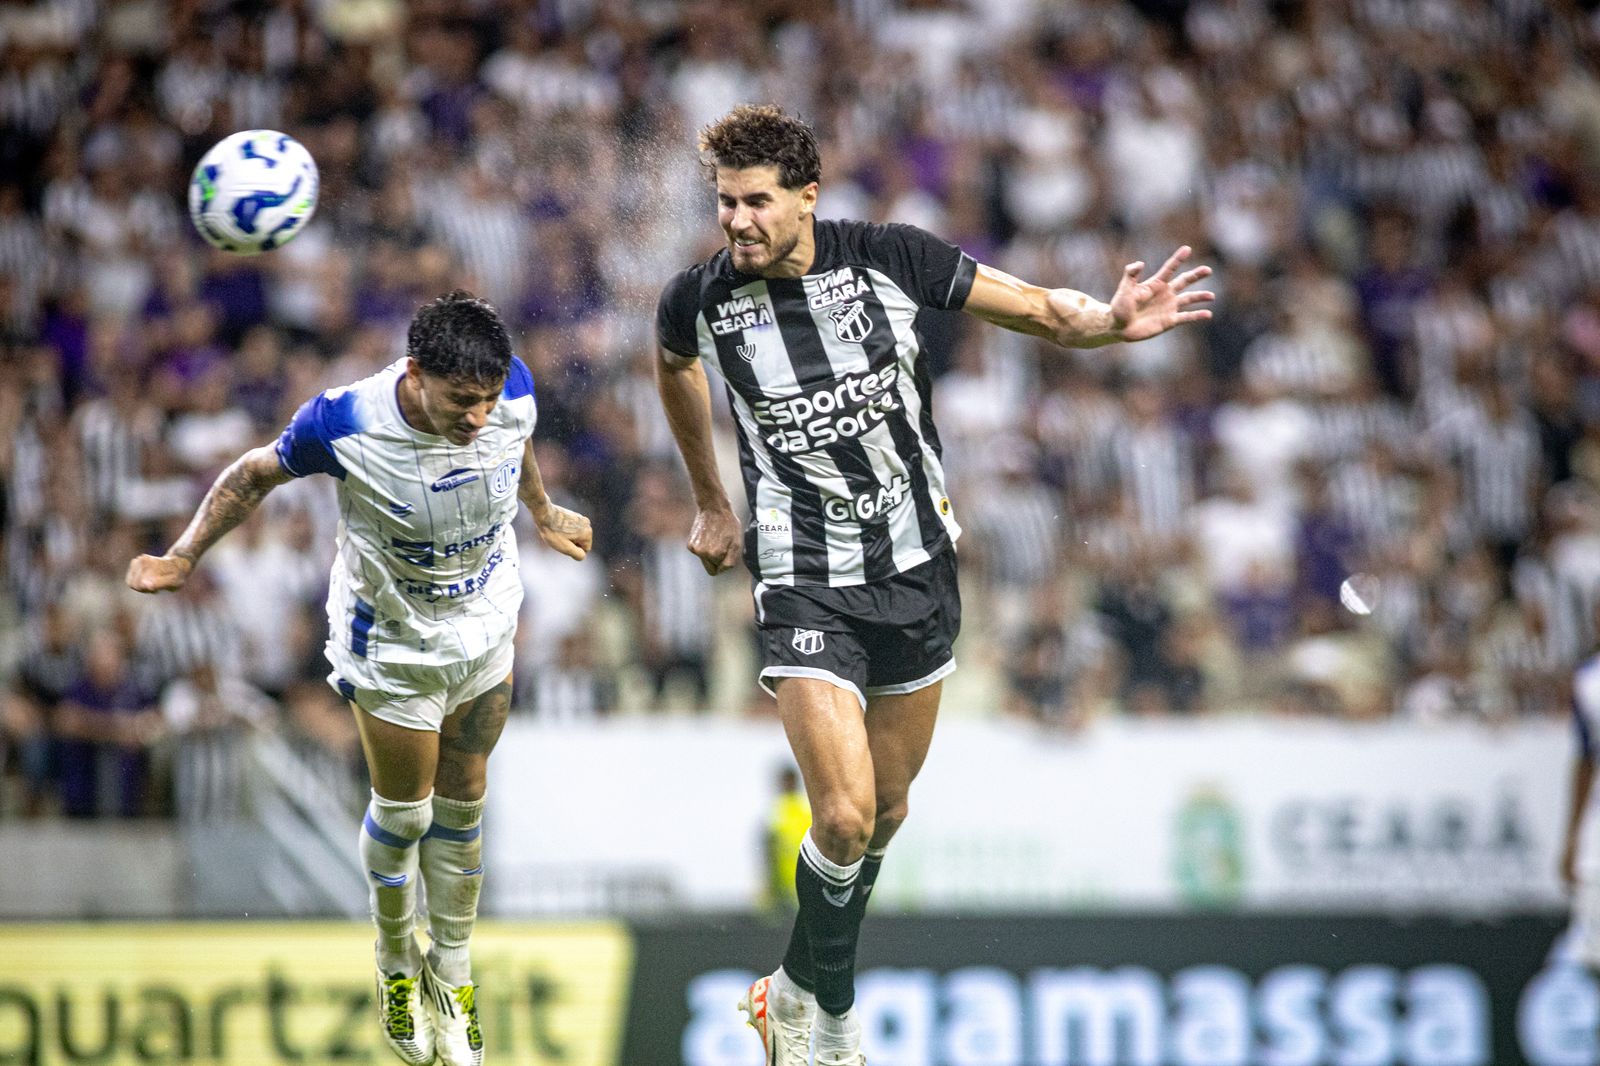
column 831, row 401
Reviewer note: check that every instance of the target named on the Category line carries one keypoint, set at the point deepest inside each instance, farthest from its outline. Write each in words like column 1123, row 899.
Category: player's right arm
column 686, row 397
column 304, row 448
column 233, row 497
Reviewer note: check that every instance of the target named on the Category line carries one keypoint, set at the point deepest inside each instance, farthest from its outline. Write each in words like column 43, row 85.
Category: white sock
column 789, row 1001
column 452, row 868
column 838, row 1038
column 388, row 845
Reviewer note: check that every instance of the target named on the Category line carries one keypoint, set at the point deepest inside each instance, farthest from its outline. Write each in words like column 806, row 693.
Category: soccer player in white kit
column 431, row 455
column 1578, row 870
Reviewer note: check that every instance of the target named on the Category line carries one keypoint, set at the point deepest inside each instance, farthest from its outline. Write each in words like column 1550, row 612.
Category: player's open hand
column 568, row 532
column 715, row 538
column 158, row 573
column 1142, row 309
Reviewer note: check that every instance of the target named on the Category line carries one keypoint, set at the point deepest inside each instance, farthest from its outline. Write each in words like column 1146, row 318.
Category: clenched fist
column 568, row 532
column 158, row 573
column 716, row 539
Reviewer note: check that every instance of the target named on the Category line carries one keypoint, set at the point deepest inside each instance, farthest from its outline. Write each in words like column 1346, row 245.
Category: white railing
column 304, row 809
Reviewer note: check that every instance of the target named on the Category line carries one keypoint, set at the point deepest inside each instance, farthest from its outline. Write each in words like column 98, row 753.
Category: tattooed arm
column 566, row 531
column 235, row 494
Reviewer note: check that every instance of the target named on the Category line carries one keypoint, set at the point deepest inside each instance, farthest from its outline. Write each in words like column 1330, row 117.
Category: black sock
column 871, row 863
column 828, row 893
column 797, row 959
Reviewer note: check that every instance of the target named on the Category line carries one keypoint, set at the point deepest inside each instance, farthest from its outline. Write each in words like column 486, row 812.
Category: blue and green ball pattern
column 253, row 191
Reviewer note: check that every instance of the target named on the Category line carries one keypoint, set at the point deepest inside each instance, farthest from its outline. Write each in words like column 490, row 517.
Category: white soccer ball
column 253, row 191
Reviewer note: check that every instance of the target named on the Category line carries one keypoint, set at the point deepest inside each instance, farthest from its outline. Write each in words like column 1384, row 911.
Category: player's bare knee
column 842, row 829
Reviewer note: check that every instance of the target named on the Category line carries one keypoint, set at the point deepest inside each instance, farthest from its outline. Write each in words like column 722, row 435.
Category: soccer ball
column 253, row 191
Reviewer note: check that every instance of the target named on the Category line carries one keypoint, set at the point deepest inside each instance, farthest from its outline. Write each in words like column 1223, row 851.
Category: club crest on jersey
column 504, row 478
column 850, row 322
column 400, row 510
column 807, row 641
column 461, row 475
column 747, row 352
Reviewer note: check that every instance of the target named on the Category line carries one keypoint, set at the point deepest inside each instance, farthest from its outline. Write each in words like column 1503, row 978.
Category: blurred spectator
column 571, row 688
column 206, row 713
column 672, row 598
column 268, row 574
column 178, row 634
column 50, row 665
column 787, row 822
column 1017, row 523
column 1139, row 620
column 1327, row 546
column 104, row 729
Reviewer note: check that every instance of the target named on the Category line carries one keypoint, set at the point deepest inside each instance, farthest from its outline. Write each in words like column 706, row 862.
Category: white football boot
column 786, row 1033
column 454, row 1012
column 407, row 1028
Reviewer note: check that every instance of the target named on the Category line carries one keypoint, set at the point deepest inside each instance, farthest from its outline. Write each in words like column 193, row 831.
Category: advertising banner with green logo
column 1252, row 813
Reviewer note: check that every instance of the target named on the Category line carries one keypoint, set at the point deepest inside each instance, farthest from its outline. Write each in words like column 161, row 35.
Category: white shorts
column 434, row 691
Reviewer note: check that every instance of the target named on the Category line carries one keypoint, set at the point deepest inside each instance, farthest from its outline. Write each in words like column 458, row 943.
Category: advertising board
column 1200, row 990
column 255, row 994
column 1260, row 814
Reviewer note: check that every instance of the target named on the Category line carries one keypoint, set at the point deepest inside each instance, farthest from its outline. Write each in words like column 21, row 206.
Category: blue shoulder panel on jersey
column 519, row 381
column 306, row 446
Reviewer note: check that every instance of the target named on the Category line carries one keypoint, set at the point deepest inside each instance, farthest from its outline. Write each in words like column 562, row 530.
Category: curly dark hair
column 461, row 338
column 758, row 135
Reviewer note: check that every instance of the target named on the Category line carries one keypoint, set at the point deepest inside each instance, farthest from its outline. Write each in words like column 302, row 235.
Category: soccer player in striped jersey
column 430, row 456
column 851, row 535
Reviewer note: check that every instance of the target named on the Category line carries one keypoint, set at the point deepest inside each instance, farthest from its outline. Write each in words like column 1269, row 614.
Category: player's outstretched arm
column 232, row 498
column 568, row 532
column 687, row 399
column 1139, row 309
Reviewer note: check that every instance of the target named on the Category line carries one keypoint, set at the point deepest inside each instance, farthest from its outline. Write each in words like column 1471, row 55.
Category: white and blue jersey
column 426, row 568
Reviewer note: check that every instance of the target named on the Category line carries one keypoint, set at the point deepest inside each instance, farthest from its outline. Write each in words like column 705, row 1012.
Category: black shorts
column 880, row 639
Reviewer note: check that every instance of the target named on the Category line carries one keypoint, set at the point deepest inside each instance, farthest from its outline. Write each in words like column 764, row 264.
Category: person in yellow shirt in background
column 788, row 820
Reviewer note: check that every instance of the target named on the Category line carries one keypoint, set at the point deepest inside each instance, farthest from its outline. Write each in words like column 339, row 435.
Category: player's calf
column 388, row 840
column 452, row 868
column 388, row 845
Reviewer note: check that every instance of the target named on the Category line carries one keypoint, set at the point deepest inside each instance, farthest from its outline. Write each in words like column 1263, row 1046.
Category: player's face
column 458, row 410
column 763, row 221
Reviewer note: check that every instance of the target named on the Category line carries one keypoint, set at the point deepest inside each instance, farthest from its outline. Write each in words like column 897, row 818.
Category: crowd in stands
column 1369, row 487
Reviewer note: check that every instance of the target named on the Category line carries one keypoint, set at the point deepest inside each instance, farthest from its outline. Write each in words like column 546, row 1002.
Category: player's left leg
column 823, row 723
column 909, row 643
column 899, row 731
column 401, row 760
column 452, row 867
